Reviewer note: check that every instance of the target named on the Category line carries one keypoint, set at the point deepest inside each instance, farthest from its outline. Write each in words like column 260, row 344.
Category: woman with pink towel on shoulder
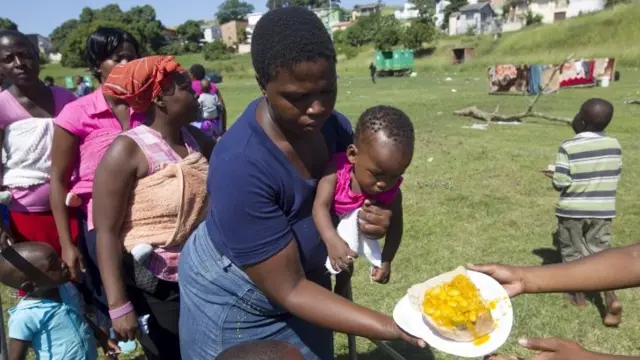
column 149, row 195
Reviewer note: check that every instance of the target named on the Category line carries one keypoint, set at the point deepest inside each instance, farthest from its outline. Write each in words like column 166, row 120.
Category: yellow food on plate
column 452, row 305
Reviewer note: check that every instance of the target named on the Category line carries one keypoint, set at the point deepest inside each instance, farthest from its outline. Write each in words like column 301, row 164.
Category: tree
column 426, row 9
column 277, row 4
column 59, row 35
column 231, row 10
column 73, row 49
column 190, row 32
column 216, row 50
column 417, row 34
column 140, row 21
column 388, row 37
column 7, row 24
column 455, row 5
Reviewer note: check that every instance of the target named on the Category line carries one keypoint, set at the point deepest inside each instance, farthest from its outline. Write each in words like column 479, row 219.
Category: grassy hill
column 610, row 33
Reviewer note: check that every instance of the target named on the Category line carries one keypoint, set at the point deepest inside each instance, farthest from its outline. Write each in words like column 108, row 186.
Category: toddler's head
column 205, row 86
column 382, row 148
column 262, row 350
column 32, row 267
column 594, row 115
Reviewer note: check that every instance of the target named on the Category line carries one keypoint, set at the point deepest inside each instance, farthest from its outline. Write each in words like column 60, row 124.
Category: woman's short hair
column 288, row 36
column 197, row 71
column 102, row 43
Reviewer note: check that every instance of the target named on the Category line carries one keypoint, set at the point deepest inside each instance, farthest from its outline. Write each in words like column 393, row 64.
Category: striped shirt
column 587, row 172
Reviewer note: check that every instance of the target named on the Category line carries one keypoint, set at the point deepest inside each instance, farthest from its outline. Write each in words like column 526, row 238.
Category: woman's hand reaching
column 510, row 277
column 374, row 220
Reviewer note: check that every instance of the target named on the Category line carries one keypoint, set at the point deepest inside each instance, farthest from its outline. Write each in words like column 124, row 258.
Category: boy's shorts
column 577, row 238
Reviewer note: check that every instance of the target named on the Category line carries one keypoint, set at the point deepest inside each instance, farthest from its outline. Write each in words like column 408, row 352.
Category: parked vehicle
column 214, row 77
column 394, row 63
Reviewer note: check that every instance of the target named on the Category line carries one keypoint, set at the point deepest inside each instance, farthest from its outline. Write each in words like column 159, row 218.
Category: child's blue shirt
column 56, row 331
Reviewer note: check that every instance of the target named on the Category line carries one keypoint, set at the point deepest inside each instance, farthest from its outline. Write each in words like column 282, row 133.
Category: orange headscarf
column 140, row 81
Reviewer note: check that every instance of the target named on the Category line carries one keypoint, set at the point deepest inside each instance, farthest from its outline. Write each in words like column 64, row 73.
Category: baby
column 370, row 172
column 49, row 319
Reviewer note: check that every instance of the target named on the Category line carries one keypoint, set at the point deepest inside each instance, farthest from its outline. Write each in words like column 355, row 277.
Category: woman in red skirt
column 27, row 109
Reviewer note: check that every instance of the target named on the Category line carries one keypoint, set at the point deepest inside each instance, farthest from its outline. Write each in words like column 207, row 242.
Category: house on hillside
column 479, row 17
column 252, row 20
column 233, row 32
column 341, row 26
column 439, row 13
column 210, row 33
column 578, row 7
column 551, row 10
column 43, row 44
column 408, row 11
column 364, row 10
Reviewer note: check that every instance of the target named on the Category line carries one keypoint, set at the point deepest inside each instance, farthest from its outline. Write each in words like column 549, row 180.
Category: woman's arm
column 18, row 349
column 224, row 112
column 322, row 206
column 114, row 181
column 611, row 269
column 608, row 270
column 282, row 279
column 396, row 229
column 64, row 156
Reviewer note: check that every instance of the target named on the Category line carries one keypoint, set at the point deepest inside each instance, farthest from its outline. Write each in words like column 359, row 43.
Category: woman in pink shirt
column 83, row 132
column 27, row 109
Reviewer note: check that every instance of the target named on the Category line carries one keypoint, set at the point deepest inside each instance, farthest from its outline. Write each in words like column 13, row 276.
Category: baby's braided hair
column 391, row 121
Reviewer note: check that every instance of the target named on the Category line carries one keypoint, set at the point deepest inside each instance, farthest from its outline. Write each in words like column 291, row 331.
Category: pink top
column 195, row 85
column 344, row 199
column 164, row 261
column 90, row 119
column 34, row 198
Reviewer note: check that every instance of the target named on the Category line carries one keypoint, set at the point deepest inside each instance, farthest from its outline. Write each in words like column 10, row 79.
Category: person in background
column 141, row 187
column 254, row 269
column 586, row 174
column 198, row 73
column 48, row 81
column 210, row 121
column 372, row 72
column 83, row 133
column 262, row 350
column 27, row 110
column 82, row 88
column 607, row 270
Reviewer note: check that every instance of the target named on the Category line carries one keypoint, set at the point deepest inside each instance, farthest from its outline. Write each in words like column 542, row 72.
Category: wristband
column 121, row 311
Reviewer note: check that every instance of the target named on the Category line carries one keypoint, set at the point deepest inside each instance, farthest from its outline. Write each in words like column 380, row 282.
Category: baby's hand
column 340, row 255
column 381, row 275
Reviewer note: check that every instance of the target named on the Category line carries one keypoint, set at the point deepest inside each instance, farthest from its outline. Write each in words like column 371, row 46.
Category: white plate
column 410, row 320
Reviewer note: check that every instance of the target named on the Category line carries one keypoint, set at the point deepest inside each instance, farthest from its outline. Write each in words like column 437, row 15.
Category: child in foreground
column 369, row 172
column 586, row 174
column 49, row 318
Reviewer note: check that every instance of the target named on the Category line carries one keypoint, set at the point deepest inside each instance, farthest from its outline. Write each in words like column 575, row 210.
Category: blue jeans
column 221, row 307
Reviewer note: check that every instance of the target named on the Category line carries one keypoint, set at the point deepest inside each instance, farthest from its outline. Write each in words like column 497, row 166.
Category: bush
column 417, row 34
column 192, row 48
column 44, row 59
column 216, row 50
column 347, row 50
column 174, row 49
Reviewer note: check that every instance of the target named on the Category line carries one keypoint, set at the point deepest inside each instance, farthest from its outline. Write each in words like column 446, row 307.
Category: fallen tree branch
column 476, row 113
column 632, row 102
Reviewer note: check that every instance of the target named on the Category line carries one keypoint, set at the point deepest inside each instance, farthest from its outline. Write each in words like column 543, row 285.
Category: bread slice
column 462, row 332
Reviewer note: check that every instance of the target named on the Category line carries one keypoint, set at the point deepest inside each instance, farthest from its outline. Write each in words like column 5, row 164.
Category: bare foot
column 613, row 317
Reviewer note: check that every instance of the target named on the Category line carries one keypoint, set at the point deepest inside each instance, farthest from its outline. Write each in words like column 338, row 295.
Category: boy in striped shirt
column 586, row 175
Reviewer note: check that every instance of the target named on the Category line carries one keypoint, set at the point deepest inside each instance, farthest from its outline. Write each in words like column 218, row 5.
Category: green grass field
column 478, row 196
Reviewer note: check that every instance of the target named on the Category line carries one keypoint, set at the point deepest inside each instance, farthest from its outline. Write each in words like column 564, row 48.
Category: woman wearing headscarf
column 149, row 196
column 82, row 134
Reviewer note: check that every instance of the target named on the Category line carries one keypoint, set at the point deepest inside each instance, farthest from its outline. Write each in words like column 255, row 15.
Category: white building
column 407, row 12
column 252, row 20
column 210, row 33
column 439, row 14
column 577, row 7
